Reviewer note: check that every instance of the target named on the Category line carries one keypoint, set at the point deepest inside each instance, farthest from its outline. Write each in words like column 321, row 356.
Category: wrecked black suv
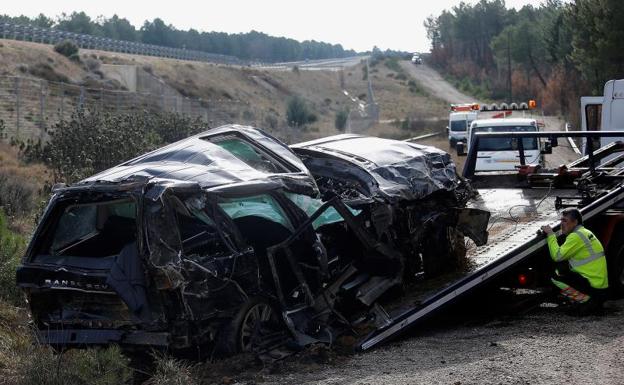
column 221, row 241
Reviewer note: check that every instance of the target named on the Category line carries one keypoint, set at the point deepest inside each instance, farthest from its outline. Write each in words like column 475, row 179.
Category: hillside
column 229, row 94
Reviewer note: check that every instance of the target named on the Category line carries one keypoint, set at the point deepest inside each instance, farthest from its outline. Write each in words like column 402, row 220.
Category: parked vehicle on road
column 500, row 154
column 603, row 113
column 460, row 118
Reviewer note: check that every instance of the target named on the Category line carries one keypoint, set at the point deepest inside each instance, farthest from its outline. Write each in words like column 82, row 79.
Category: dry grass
column 14, row 54
column 262, row 94
column 22, row 187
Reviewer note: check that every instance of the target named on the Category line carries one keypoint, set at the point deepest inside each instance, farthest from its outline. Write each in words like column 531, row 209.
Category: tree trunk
column 537, row 71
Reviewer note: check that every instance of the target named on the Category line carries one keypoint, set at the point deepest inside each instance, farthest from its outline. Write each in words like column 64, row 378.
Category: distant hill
column 249, row 46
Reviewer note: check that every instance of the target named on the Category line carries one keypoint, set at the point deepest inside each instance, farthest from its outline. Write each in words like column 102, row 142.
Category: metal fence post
column 62, row 100
column 17, row 107
column 81, row 98
column 41, row 110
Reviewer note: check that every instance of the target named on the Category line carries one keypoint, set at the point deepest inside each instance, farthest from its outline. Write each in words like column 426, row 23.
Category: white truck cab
column 459, row 121
column 603, row 113
column 501, row 154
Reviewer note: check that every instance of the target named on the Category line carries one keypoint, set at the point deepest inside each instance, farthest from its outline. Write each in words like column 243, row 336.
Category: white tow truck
column 603, row 113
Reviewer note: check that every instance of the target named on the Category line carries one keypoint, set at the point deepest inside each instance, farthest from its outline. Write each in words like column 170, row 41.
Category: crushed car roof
column 401, row 169
column 201, row 160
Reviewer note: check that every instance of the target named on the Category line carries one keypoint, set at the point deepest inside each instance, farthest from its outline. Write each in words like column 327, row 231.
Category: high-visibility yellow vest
column 584, row 253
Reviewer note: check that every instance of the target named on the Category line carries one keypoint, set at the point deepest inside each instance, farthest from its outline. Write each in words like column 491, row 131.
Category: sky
column 355, row 24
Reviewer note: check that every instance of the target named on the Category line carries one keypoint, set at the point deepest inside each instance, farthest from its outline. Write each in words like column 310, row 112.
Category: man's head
column 570, row 218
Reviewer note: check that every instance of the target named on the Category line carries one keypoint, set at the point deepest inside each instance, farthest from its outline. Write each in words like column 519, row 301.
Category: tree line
column 554, row 52
column 249, row 46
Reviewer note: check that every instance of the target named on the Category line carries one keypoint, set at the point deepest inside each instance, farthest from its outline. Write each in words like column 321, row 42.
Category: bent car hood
column 400, row 169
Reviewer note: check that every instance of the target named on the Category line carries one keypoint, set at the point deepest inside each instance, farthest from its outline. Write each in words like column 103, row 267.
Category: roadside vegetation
column 92, row 141
column 554, row 52
column 69, row 49
column 251, row 45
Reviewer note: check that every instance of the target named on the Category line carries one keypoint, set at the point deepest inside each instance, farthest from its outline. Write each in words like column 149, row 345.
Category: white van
column 458, row 126
column 501, row 154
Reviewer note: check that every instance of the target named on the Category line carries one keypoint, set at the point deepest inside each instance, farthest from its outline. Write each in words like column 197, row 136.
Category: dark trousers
column 579, row 282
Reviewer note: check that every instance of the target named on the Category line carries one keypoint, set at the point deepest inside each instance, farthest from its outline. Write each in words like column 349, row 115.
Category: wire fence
column 53, row 36
column 30, row 108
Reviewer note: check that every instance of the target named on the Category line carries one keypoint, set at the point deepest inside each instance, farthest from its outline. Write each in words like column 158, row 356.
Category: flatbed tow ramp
column 520, row 203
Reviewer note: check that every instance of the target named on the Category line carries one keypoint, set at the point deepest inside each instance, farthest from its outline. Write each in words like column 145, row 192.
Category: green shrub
column 298, row 113
column 406, row 124
column 393, row 64
column 415, row 88
column 11, row 248
column 341, row 119
column 45, row 71
column 106, row 366
column 18, row 193
column 67, row 48
column 94, row 141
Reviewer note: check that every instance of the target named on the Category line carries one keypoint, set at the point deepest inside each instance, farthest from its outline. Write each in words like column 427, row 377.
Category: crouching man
column 581, row 272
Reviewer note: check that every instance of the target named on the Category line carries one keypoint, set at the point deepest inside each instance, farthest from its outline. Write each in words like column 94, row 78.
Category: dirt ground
column 543, row 347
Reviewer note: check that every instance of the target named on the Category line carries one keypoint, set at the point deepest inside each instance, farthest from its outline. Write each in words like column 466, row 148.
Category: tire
column 452, row 143
column 443, row 251
column 240, row 334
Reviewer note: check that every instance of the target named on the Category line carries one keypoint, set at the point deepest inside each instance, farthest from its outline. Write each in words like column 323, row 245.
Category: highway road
column 315, row 65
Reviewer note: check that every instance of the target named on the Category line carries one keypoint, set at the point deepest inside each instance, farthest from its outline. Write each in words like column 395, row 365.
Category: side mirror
column 461, row 151
column 547, row 149
column 447, row 129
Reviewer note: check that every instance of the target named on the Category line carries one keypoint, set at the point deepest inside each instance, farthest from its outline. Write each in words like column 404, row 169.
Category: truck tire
column 240, row 334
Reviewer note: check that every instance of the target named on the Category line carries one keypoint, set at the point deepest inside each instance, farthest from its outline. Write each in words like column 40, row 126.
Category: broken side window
column 311, row 205
column 260, row 206
column 198, row 231
column 162, row 234
column 249, row 153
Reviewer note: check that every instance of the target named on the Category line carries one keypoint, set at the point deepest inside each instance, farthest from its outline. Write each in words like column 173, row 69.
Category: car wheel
column 244, row 331
column 443, row 251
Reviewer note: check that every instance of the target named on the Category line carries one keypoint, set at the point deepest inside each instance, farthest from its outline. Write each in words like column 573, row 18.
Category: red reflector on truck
column 522, row 279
